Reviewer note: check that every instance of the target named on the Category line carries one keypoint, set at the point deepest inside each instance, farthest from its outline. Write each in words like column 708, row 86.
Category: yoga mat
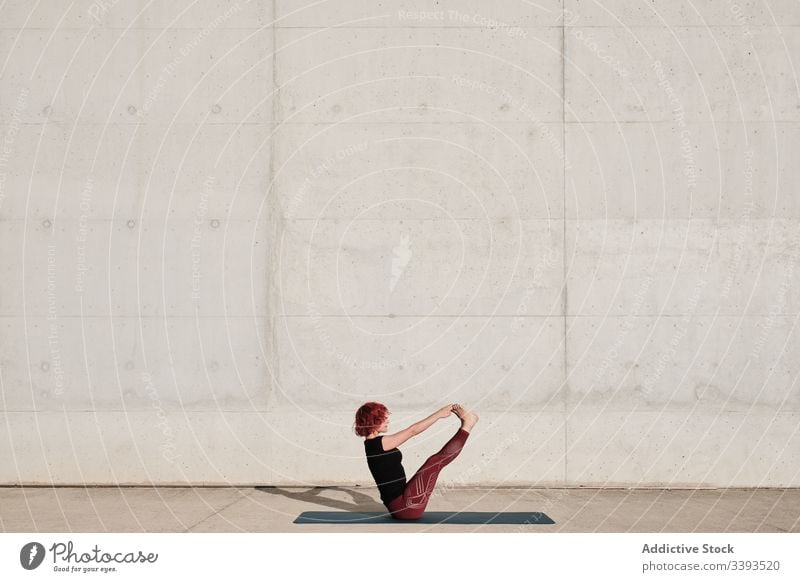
column 445, row 517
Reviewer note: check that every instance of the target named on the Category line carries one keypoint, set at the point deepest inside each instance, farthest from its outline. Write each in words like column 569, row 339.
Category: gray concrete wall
column 226, row 225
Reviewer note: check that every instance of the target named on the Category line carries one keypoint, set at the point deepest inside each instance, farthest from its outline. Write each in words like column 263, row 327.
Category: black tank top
column 386, row 468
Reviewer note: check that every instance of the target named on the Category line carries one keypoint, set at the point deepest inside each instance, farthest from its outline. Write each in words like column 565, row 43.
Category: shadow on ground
column 361, row 501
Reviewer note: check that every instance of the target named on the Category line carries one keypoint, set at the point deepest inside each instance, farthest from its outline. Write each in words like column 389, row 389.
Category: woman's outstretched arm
column 391, row 441
column 425, row 423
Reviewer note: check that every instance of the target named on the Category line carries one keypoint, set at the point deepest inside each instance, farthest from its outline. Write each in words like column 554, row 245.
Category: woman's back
column 386, row 468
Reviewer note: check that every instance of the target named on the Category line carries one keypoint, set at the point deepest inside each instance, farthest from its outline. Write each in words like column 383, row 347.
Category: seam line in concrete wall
column 564, row 222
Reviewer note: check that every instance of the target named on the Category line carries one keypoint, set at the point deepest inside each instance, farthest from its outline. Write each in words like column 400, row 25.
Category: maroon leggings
column 412, row 503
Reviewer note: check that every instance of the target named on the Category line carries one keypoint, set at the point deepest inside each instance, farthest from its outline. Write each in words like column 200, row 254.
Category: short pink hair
column 369, row 417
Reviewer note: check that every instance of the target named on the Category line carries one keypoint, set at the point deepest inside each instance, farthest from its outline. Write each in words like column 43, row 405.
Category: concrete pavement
column 272, row 509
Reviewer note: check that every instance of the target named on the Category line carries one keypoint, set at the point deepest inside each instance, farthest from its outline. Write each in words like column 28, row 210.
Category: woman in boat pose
column 407, row 499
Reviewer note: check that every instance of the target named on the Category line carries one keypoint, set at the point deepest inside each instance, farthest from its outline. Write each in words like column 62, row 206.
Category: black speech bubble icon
column 31, row 555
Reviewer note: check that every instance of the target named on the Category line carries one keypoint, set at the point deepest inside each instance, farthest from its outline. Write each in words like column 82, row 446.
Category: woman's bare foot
column 468, row 418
